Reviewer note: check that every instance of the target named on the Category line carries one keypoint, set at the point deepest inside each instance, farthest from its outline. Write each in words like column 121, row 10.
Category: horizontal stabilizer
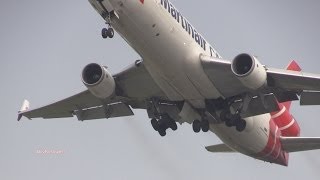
column 219, row 148
column 296, row 144
column 310, row 98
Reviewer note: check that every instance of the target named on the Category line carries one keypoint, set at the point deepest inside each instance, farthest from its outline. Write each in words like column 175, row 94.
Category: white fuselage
column 170, row 47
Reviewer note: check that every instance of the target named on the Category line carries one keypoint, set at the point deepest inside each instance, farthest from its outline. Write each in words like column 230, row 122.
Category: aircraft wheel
column 155, row 124
column 196, row 126
column 205, row 125
column 241, row 125
column 110, row 32
column 162, row 132
column 104, row 33
column 229, row 123
column 173, row 125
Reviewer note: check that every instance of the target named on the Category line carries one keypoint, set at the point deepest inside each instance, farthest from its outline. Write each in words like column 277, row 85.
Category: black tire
column 155, row 124
column 173, row 125
column 162, row 132
column 229, row 123
column 205, row 125
column 110, row 33
column 241, row 125
column 104, row 33
column 196, row 126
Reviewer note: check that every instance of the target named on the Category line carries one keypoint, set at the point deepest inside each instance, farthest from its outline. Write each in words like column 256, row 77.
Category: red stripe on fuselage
column 285, row 121
column 273, row 150
column 282, row 123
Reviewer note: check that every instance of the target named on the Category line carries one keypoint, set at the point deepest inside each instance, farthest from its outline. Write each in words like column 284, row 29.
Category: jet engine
column 249, row 71
column 98, row 80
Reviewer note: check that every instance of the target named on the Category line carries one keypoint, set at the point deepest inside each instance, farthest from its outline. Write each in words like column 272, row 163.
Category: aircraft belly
column 251, row 141
column 170, row 56
column 172, row 59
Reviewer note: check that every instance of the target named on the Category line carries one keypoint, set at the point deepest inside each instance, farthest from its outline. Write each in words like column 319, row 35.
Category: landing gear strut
column 108, row 32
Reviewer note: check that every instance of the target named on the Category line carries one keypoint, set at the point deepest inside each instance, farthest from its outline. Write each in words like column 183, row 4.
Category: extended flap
column 108, row 111
column 310, row 98
column 258, row 106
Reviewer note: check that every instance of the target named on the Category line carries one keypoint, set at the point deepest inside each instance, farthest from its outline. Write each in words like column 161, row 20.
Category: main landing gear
column 203, row 125
column 233, row 120
column 164, row 123
column 159, row 111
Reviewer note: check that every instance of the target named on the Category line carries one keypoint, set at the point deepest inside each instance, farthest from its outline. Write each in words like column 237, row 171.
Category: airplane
column 181, row 78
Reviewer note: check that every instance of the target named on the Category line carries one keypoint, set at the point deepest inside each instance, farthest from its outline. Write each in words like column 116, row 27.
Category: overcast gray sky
column 45, row 44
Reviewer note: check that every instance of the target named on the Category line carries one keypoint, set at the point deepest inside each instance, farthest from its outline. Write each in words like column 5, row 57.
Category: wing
column 229, row 85
column 296, row 144
column 279, row 81
column 293, row 80
column 135, row 82
column 86, row 106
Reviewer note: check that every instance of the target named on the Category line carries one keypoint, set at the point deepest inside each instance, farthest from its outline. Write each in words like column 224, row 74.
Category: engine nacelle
column 98, row 80
column 249, row 71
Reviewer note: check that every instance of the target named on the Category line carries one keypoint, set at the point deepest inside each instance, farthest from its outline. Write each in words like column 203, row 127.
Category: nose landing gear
column 107, row 33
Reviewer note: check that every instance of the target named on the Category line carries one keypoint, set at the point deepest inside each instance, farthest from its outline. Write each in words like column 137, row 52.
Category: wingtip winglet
column 19, row 117
column 25, row 106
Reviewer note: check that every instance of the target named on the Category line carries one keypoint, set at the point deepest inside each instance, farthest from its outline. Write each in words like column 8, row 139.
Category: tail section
column 289, row 140
column 286, row 123
column 292, row 66
column 283, row 118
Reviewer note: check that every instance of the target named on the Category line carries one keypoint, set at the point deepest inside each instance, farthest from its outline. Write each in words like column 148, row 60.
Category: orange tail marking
column 283, row 118
column 293, row 66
